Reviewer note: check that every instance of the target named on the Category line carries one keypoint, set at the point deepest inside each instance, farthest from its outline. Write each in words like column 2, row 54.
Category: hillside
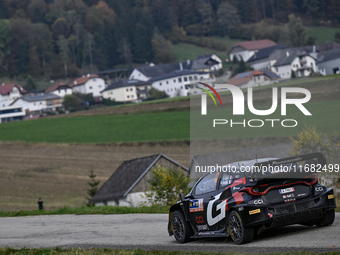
column 55, row 39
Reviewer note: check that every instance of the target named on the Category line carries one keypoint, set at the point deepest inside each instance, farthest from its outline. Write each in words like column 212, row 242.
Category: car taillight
column 255, row 190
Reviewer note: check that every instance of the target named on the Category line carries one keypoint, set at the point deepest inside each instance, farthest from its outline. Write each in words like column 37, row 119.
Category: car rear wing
column 289, row 167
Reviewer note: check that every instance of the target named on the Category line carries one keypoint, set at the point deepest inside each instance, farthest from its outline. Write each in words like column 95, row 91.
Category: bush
column 157, row 94
column 166, row 184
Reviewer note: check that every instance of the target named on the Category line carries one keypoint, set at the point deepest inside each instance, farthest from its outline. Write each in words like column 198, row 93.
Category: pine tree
column 93, row 187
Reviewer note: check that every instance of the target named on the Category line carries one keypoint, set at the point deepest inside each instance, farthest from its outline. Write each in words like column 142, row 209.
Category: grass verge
column 91, row 210
column 94, row 251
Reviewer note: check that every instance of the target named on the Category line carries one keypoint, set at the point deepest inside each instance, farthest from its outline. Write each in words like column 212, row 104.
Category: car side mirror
column 181, row 196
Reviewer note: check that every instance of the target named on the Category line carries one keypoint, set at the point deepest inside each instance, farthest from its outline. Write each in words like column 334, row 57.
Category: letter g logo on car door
column 221, row 206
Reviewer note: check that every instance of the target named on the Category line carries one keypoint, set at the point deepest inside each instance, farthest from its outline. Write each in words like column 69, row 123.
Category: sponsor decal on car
column 302, row 194
column 289, row 200
column 254, row 211
column 196, row 205
column 288, row 195
column 202, row 227
column 330, row 196
column 199, row 219
column 287, row 190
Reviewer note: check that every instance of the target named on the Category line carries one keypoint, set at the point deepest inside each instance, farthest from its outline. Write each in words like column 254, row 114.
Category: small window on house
column 131, row 89
column 146, row 87
column 181, row 87
column 160, row 84
column 128, row 96
column 167, row 82
column 179, row 79
column 131, row 96
column 174, row 80
column 190, row 78
column 90, row 88
column 100, row 86
column 127, row 89
column 195, row 78
column 94, row 79
column 185, row 79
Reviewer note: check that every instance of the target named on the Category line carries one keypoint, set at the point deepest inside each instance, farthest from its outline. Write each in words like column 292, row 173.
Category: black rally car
column 241, row 204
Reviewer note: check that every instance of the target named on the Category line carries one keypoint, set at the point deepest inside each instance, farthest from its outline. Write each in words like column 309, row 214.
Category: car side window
column 207, row 184
column 226, row 180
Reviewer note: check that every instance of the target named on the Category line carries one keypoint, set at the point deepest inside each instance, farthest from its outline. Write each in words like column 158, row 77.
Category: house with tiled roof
column 128, row 184
column 59, row 89
column 88, row 84
column 254, row 79
column 127, row 91
column 10, row 92
column 245, row 50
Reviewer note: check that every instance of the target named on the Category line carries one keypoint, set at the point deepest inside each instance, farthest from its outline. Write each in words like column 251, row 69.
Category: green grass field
column 163, row 126
column 100, row 129
column 184, row 51
column 322, row 34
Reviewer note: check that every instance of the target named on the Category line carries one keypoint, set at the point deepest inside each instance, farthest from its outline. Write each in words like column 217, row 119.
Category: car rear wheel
column 238, row 232
column 327, row 219
column 181, row 228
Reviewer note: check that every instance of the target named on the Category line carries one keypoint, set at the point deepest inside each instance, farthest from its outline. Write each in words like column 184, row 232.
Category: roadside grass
column 185, row 51
column 95, row 251
column 91, row 210
column 322, row 34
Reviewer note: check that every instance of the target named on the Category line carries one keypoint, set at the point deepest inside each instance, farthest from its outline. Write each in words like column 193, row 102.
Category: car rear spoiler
column 314, row 158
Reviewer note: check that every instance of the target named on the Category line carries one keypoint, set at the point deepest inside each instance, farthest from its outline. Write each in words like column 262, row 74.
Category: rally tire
column 180, row 227
column 327, row 219
column 238, row 232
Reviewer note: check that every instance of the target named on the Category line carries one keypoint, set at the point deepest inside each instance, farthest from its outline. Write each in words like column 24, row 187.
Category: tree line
column 63, row 38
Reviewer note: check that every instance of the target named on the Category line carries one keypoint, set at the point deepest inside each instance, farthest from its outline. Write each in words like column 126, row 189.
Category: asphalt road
column 149, row 231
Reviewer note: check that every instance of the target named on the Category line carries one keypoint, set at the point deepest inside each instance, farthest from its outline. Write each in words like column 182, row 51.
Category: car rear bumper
column 290, row 213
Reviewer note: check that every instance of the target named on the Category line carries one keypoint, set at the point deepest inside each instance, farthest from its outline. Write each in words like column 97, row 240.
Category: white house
column 148, row 71
column 128, row 184
column 11, row 92
column 207, row 63
column 11, row 113
column 127, row 91
column 328, row 62
column 177, row 83
column 88, row 84
column 301, row 63
column 39, row 103
column 245, row 50
column 59, row 89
